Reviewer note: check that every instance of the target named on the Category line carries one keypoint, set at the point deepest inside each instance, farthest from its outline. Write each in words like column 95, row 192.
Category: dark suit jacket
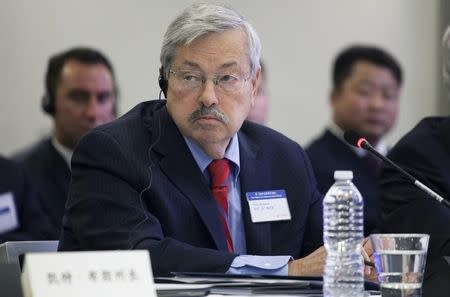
column 51, row 175
column 425, row 153
column 329, row 153
column 33, row 223
column 135, row 185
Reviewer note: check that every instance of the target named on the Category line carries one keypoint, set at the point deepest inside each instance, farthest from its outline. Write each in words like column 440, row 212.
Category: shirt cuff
column 268, row 265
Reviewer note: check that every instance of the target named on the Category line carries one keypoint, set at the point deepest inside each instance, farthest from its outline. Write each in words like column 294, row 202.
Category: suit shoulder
column 265, row 136
column 421, row 135
column 36, row 155
column 11, row 173
column 316, row 145
column 425, row 143
column 132, row 121
column 7, row 165
column 324, row 146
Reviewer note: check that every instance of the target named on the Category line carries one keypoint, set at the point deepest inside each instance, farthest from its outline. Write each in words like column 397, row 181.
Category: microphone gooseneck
column 354, row 139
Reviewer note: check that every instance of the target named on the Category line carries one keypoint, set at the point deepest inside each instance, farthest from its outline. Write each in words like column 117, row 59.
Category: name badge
column 268, row 206
column 8, row 215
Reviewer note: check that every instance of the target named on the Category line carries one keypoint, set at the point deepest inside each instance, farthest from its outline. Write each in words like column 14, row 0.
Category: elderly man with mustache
column 188, row 178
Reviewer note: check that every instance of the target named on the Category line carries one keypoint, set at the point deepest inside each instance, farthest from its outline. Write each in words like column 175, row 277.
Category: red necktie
column 219, row 170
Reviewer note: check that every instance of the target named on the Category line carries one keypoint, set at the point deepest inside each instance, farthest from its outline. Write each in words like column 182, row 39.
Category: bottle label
column 268, row 206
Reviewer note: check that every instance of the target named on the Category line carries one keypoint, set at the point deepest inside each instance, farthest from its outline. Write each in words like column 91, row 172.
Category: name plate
column 97, row 273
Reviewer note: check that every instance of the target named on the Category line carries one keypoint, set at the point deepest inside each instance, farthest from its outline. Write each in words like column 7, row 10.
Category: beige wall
column 299, row 37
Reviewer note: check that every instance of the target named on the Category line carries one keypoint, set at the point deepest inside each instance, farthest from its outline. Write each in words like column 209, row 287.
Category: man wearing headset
column 188, row 178
column 80, row 95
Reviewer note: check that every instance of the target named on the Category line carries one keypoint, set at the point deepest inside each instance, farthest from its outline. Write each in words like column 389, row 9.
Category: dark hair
column 344, row 62
column 56, row 63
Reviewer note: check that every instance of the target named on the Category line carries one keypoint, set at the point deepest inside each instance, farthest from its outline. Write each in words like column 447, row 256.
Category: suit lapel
column 253, row 178
column 182, row 170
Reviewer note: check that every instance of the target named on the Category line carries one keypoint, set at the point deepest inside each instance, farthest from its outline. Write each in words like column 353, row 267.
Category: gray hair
column 200, row 19
column 446, row 57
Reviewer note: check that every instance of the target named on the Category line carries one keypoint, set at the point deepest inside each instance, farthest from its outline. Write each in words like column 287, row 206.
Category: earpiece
column 47, row 104
column 162, row 81
column 48, row 100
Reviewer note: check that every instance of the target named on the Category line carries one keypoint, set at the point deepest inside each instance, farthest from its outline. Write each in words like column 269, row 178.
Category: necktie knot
column 219, row 171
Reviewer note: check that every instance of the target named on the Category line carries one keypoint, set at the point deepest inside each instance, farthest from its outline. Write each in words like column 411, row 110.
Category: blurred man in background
column 364, row 98
column 80, row 94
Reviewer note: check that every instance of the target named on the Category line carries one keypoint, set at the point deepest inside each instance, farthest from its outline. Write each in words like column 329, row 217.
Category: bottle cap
column 343, row 174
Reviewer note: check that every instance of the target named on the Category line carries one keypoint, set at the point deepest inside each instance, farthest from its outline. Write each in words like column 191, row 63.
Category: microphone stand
column 366, row 145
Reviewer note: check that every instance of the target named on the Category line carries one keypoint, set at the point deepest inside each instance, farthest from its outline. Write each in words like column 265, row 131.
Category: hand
column 313, row 264
column 309, row 265
column 370, row 273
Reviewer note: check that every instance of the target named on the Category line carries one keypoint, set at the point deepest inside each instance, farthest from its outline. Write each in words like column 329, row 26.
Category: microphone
column 357, row 140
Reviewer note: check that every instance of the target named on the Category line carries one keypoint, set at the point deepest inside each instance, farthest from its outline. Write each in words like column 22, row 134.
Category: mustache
column 210, row 111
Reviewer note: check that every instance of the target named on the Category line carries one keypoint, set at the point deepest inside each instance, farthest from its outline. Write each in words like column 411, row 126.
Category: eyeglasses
column 190, row 80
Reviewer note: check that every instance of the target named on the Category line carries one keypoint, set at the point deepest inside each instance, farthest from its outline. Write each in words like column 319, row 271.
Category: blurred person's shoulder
column 424, row 142
column 33, row 155
column 7, row 165
column 323, row 145
column 427, row 130
column 11, row 174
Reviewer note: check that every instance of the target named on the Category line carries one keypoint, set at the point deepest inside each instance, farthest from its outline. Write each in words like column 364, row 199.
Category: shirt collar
column 65, row 153
column 381, row 147
column 203, row 160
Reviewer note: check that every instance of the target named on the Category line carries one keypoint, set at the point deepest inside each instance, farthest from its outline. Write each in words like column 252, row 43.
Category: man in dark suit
column 187, row 178
column 366, row 85
column 80, row 95
column 21, row 215
column 424, row 153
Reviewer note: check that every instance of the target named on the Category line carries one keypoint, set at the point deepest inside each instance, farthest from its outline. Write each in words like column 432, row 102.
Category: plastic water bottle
column 343, row 236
